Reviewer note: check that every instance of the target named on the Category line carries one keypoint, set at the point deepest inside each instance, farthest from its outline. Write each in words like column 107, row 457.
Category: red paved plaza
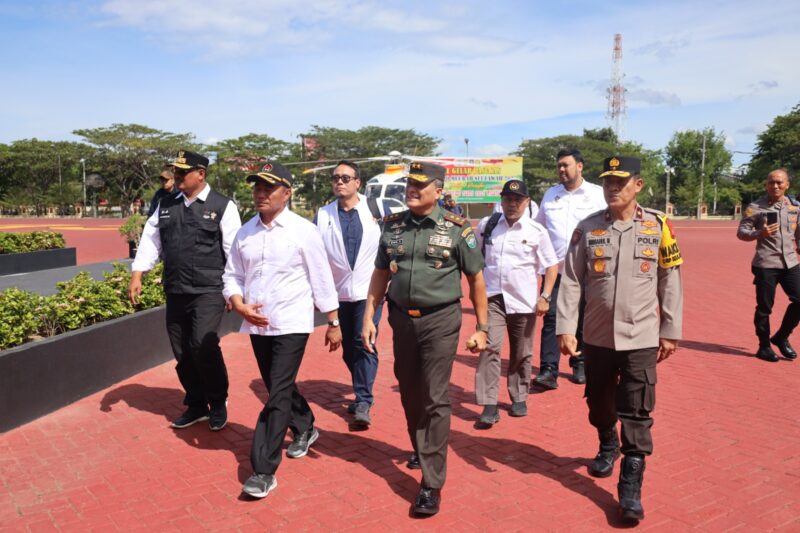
column 727, row 442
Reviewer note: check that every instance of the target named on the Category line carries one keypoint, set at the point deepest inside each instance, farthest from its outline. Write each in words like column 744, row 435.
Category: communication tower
column 616, row 91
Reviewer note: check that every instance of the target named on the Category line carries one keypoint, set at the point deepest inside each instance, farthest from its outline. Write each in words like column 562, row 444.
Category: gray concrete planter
column 42, row 376
column 33, row 261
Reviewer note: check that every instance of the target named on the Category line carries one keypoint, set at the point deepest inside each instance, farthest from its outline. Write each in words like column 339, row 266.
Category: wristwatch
column 482, row 327
column 546, row 297
column 333, row 323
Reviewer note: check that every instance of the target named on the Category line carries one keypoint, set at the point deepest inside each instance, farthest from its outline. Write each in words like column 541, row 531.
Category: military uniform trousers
column 766, row 280
column 621, row 385
column 424, row 351
column 192, row 324
column 279, row 359
column 520, row 328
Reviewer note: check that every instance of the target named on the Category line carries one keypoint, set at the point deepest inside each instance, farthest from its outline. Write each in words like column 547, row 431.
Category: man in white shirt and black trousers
column 193, row 231
column 562, row 207
column 351, row 233
column 277, row 272
column 515, row 249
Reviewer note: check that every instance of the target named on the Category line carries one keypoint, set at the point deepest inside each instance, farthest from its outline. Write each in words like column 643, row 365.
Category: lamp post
column 702, row 177
column 83, row 164
column 670, row 170
column 466, row 145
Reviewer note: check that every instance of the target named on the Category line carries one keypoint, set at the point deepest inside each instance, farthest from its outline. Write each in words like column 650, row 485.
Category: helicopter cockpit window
column 373, row 191
column 398, row 192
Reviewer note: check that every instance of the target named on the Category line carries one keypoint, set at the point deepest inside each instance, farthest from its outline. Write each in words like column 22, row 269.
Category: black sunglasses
column 343, row 177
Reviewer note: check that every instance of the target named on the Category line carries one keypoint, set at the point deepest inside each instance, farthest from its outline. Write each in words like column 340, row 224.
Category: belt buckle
column 416, row 313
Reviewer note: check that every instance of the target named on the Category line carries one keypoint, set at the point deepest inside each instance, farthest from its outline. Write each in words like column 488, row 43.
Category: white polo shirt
column 284, row 267
column 513, row 262
column 561, row 210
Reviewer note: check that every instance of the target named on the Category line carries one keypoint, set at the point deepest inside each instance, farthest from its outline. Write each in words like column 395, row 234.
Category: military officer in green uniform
column 424, row 251
column 626, row 262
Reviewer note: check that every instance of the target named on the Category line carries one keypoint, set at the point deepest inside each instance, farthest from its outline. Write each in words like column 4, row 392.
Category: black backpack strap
column 487, row 231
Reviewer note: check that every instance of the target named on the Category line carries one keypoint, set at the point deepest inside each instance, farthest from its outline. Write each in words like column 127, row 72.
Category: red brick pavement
column 727, row 443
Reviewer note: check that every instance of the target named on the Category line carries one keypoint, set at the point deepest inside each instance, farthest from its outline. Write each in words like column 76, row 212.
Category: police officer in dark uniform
column 424, row 251
column 193, row 232
column 627, row 263
column 772, row 222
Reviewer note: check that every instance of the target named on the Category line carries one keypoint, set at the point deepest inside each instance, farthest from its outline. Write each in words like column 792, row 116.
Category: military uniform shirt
column 427, row 256
column 778, row 250
column 632, row 296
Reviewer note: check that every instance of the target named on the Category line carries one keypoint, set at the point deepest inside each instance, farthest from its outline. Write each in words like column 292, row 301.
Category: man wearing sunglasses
column 351, row 235
column 193, row 232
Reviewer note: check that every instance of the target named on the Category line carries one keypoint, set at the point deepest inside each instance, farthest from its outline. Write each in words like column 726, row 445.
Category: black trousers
column 765, row 280
column 192, row 324
column 549, row 351
column 279, row 359
column 424, row 351
column 621, row 385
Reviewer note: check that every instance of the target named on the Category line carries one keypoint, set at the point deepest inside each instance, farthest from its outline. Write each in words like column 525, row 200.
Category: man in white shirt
column 193, row 231
column 516, row 249
column 562, row 207
column 351, row 235
column 277, row 272
column 533, row 208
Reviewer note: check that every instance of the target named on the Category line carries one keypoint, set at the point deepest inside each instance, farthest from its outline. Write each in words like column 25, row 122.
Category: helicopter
column 389, row 187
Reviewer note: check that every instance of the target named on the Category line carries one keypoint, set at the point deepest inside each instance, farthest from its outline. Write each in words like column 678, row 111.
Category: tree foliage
column 777, row 147
column 128, row 155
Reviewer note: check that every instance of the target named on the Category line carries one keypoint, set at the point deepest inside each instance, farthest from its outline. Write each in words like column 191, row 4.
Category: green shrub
column 18, row 317
column 79, row 302
column 34, row 241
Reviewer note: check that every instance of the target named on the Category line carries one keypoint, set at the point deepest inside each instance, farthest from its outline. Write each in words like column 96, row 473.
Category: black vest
column 191, row 244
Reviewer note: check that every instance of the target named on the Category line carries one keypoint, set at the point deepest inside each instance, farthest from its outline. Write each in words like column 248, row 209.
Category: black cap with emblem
column 517, row 187
column 272, row 173
column 424, row 172
column 185, row 159
column 622, row 167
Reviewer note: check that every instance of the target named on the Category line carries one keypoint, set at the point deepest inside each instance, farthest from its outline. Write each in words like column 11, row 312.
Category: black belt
column 417, row 312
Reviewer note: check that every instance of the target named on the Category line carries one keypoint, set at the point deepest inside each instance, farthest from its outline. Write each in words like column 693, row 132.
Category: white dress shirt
column 513, row 262
column 282, row 266
column 352, row 284
column 561, row 210
column 150, row 244
column 532, row 211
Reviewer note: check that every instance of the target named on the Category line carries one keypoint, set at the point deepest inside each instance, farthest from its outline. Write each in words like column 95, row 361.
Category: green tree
column 539, row 163
column 684, row 154
column 130, row 155
column 777, row 147
column 334, row 144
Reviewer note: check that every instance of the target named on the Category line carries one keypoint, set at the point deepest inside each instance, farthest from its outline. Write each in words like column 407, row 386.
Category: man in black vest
column 193, row 232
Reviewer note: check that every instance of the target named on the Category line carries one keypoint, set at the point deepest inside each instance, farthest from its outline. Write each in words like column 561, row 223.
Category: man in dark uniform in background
column 772, row 222
column 626, row 261
column 167, row 179
column 424, row 251
column 193, row 231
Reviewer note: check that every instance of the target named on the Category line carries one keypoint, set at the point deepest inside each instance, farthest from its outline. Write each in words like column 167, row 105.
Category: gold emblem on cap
column 513, row 185
column 614, row 163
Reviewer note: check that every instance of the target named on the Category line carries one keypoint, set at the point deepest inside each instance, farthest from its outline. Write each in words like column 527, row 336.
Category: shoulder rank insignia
column 748, row 212
column 394, row 216
column 455, row 219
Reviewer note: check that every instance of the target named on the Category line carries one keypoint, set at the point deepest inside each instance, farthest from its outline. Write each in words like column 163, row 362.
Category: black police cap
column 185, row 159
column 425, row 172
column 272, row 173
column 622, row 167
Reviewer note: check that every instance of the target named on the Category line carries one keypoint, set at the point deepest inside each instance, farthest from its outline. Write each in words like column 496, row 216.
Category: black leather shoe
column 427, row 502
column 489, row 417
column 547, row 378
column 413, row 462
column 578, row 373
column 784, row 347
column 765, row 353
column 629, row 488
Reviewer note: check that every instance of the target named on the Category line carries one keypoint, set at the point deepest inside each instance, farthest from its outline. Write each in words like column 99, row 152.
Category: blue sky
column 494, row 72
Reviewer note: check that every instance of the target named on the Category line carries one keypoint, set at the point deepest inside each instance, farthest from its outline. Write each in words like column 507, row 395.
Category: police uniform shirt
column 513, row 261
column 778, row 250
column 632, row 282
column 284, row 267
column 149, row 249
column 561, row 210
column 426, row 257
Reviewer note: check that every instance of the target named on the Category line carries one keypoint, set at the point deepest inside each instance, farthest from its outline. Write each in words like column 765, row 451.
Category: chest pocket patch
column 645, row 262
column 598, row 260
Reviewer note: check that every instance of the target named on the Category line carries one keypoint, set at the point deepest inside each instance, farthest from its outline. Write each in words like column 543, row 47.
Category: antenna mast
column 616, row 91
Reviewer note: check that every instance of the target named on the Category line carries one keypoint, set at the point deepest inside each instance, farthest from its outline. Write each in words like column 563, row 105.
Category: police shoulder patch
column 471, row 241
column 455, row 219
column 467, row 232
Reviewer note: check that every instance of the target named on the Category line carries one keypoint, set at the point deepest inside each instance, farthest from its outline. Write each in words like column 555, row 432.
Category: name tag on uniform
column 444, row 241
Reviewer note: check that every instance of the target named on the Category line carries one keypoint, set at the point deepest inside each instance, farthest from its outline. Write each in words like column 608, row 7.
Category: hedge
column 79, row 302
column 34, row 241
